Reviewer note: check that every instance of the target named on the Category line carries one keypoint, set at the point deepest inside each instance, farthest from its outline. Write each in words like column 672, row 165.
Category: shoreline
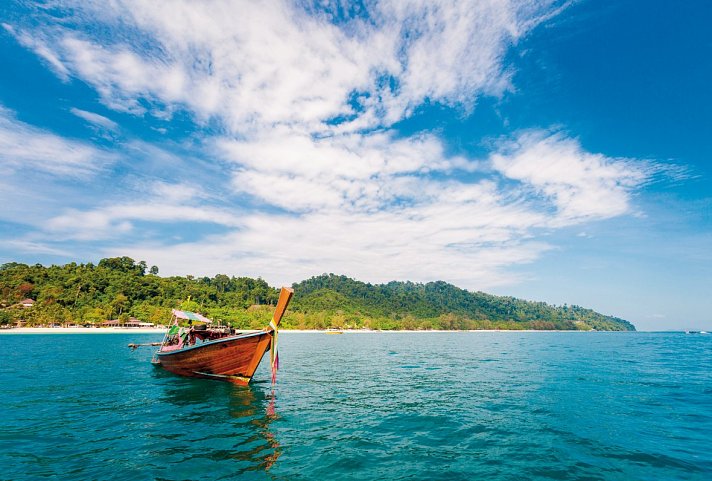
column 157, row 330
column 83, row 330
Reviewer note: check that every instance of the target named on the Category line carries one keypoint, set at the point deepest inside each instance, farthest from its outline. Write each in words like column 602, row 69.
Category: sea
column 365, row 406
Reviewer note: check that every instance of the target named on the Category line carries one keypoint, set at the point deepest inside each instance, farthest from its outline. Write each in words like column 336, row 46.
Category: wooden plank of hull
column 233, row 359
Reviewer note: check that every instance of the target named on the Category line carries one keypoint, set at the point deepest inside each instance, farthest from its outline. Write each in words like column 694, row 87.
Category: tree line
column 120, row 288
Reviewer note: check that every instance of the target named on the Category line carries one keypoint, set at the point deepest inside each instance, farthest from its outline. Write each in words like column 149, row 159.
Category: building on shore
column 131, row 322
column 25, row 303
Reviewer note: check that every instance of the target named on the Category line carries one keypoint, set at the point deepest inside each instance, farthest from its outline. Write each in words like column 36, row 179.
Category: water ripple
column 499, row 406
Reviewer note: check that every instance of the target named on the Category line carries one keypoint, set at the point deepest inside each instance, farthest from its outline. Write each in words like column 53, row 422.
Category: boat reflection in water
column 220, row 428
column 244, row 403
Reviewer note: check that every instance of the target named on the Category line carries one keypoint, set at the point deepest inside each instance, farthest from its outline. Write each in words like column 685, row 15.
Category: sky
column 556, row 151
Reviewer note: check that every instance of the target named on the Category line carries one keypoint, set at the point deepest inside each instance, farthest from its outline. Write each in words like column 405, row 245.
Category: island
column 121, row 290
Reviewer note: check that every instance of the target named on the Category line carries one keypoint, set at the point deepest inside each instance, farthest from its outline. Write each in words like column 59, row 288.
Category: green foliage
column 119, row 287
column 5, row 318
column 437, row 305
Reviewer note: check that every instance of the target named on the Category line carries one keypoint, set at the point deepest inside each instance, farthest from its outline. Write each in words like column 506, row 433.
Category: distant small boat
column 334, row 331
column 219, row 353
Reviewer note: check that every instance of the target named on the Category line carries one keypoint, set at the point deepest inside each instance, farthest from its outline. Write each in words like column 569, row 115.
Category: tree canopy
column 120, row 287
column 438, row 305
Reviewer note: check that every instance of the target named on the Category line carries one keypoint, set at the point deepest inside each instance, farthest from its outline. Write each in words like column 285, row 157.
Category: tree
column 119, row 303
column 123, row 264
column 116, row 286
column 222, row 282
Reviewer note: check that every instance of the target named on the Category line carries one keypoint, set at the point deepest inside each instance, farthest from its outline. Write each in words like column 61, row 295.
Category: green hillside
column 120, row 288
column 439, row 305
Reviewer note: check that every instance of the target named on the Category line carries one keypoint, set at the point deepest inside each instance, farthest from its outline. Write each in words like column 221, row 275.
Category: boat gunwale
column 213, row 342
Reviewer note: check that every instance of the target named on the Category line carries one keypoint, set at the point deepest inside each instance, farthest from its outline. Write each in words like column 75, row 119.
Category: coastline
column 83, row 330
column 135, row 330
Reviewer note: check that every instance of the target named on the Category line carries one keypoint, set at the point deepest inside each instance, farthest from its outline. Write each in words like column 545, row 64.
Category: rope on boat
column 134, row 346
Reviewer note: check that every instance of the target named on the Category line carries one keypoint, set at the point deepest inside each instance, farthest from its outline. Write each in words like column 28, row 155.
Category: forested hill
column 443, row 306
column 119, row 288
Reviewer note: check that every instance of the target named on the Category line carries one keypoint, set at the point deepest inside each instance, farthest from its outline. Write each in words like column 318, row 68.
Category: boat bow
column 223, row 356
column 284, row 297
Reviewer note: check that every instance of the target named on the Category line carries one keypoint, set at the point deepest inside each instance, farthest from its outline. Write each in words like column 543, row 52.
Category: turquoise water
column 495, row 406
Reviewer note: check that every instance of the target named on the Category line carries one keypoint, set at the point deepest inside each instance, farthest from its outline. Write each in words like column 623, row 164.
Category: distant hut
column 131, row 322
column 25, row 303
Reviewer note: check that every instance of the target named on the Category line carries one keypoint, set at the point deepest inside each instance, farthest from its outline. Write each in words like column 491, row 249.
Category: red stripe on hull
column 233, row 359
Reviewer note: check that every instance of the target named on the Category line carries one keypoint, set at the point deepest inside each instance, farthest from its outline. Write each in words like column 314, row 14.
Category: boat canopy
column 191, row 316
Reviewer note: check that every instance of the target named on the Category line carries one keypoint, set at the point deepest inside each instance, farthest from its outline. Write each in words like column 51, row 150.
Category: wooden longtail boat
column 218, row 353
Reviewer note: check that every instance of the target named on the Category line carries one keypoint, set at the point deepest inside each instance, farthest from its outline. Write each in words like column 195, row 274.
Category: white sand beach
column 82, row 330
column 158, row 330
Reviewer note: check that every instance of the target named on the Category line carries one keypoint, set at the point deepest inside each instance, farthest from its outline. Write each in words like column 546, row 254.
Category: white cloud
column 27, row 148
column 581, row 185
column 160, row 203
column 95, row 119
column 349, row 222
column 351, row 171
column 41, row 49
column 31, row 247
column 376, row 248
column 373, row 207
column 253, row 65
column 306, row 106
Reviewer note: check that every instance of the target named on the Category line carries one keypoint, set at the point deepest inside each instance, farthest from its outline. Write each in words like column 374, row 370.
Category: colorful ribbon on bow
column 273, row 354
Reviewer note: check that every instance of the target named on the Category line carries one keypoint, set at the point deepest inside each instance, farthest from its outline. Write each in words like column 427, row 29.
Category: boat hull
column 232, row 359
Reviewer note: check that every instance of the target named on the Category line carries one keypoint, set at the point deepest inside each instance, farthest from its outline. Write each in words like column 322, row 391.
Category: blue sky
column 554, row 151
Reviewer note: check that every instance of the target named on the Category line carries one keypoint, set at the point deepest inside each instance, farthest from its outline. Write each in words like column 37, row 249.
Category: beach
column 161, row 330
column 83, row 330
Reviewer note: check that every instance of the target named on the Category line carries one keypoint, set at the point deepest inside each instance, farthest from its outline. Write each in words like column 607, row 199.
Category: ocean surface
column 396, row 406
